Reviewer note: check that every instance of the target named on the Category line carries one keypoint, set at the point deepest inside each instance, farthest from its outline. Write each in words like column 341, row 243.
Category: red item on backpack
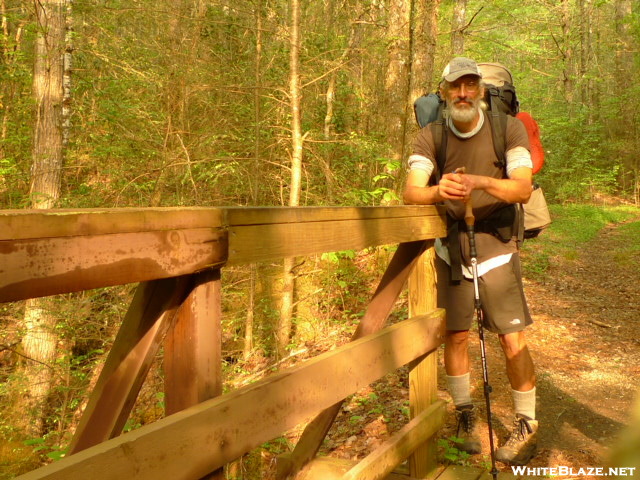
column 537, row 152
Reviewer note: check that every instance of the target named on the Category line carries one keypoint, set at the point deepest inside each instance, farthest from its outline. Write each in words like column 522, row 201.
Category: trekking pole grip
column 469, row 220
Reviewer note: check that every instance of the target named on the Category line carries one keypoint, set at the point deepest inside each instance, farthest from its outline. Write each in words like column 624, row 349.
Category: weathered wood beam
column 329, row 468
column 280, row 240
column 279, row 215
column 200, row 439
column 458, row 472
column 31, row 224
column 423, row 374
column 382, row 462
column 193, row 347
column 46, row 266
column 61, row 251
column 390, row 287
column 139, row 338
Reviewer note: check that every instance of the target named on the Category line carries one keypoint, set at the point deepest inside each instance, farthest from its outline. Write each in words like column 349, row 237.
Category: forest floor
column 586, row 349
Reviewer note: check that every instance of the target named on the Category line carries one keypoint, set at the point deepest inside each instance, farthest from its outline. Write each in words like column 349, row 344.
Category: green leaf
column 34, row 441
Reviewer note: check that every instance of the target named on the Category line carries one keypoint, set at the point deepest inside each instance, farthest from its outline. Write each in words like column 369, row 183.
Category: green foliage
column 451, row 453
column 42, row 447
column 381, row 189
column 628, row 254
column 278, row 446
column 335, row 257
column 572, row 227
column 576, row 171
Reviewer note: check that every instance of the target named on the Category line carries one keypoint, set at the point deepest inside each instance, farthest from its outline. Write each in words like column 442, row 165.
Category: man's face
column 463, row 97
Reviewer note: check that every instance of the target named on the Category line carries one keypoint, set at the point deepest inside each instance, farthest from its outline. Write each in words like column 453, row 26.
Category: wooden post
column 423, row 376
column 193, row 349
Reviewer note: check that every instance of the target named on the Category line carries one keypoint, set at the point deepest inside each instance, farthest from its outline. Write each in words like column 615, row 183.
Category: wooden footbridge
column 176, row 255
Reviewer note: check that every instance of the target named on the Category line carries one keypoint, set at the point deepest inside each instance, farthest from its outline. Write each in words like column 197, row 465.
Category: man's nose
column 463, row 90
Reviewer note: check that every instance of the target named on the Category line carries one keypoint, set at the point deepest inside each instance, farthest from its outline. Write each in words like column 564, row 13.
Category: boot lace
column 521, row 430
column 466, row 420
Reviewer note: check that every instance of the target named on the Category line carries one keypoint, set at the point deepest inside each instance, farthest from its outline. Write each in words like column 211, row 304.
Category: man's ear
column 441, row 89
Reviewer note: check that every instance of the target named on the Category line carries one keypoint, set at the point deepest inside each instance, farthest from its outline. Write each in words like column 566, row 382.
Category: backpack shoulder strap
column 498, row 119
column 439, row 133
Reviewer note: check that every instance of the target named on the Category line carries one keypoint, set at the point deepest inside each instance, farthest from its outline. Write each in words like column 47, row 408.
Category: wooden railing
column 176, row 255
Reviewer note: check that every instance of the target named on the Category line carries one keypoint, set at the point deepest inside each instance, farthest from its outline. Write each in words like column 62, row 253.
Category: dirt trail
column 586, row 348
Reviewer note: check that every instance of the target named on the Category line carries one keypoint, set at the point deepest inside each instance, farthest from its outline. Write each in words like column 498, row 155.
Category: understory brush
column 572, row 227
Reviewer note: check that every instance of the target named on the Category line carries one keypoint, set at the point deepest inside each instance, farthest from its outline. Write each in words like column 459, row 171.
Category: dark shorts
column 504, row 305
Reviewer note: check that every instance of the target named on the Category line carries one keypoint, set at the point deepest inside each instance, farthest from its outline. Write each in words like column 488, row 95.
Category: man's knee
column 513, row 344
column 457, row 338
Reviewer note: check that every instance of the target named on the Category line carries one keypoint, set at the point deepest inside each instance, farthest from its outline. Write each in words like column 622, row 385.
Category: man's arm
column 515, row 189
column 453, row 186
column 416, row 191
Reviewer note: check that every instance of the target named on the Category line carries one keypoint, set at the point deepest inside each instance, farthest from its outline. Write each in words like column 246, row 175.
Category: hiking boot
column 521, row 445
column 467, row 430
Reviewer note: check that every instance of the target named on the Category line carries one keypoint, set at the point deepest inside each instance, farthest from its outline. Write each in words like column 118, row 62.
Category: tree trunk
column 10, row 44
column 423, row 38
column 626, row 128
column 331, row 86
column 255, row 178
column 40, row 339
column 567, row 51
column 48, row 92
column 457, row 27
column 296, row 103
column 585, row 11
column 397, row 77
column 283, row 329
column 423, row 47
column 257, row 107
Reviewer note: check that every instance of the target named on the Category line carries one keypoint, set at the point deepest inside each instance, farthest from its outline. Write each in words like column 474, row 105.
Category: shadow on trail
column 561, row 416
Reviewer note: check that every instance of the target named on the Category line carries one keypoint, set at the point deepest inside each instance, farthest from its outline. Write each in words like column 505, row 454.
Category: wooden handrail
column 47, row 252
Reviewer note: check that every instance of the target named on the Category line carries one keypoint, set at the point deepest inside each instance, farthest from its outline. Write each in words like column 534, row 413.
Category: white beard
column 464, row 114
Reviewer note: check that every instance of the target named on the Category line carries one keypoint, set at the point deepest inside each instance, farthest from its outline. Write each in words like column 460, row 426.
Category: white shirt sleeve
column 420, row 162
column 518, row 157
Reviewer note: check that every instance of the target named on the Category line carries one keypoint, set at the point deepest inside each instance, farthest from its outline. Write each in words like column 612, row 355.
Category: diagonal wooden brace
column 378, row 310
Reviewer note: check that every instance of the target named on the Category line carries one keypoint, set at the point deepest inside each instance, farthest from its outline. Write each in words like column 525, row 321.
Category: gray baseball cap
column 459, row 67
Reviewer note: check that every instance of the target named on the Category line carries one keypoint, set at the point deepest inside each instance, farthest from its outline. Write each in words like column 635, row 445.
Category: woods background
column 116, row 103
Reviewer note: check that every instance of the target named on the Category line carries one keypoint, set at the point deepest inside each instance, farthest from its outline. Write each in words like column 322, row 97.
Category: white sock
column 459, row 389
column 525, row 402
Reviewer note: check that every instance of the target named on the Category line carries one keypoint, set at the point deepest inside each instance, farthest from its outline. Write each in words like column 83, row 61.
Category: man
column 492, row 192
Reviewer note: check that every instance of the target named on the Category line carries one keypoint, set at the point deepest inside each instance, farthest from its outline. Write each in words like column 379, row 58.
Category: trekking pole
column 470, row 221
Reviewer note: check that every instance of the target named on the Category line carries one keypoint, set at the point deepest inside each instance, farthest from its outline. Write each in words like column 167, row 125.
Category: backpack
column 501, row 100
